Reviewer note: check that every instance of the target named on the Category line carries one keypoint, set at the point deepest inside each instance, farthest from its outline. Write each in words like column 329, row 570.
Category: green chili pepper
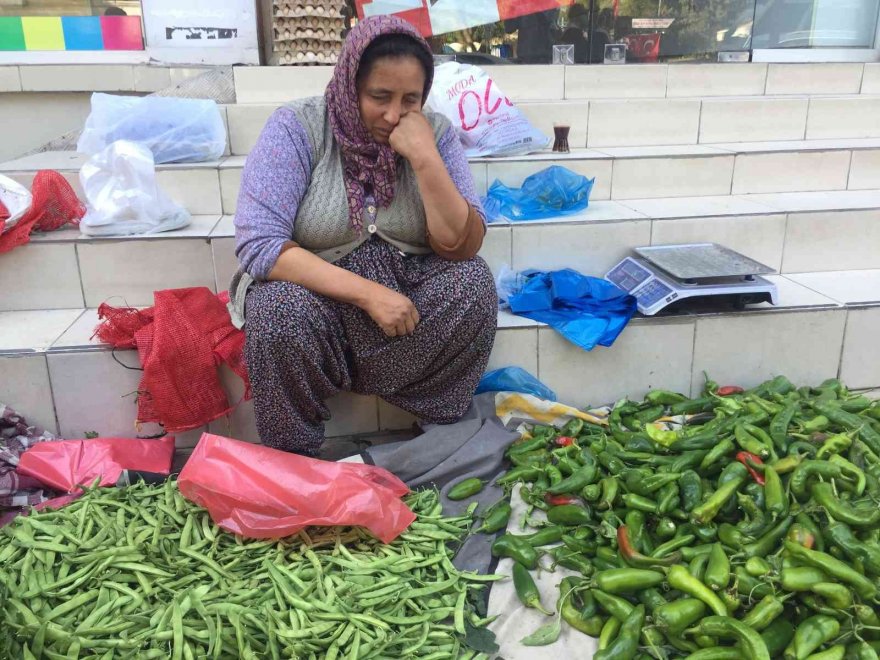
column 651, row 598
column 778, row 635
column 836, row 595
column 691, row 406
column 860, row 651
column 818, row 423
column 553, row 474
column 465, row 488
column 787, row 464
column 823, row 494
column 732, row 537
column 680, row 579
column 522, row 473
column 810, row 635
column 779, row 426
column 509, row 545
column 764, row 613
column 583, row 546
column 571, row 559
column 721, row 449
column 639, row 502
column 776, row 499
column 755, row 522
column 569, row 514
column 801, row 578
column 668, row 498
column 676, row 616
column 644, row 483
column 768, row 541
column 609, row 632
column 610, row 488
column 758, row 566
column 842, row 536
column 664, row 397
column 749, row 642
column 526, row 590
column 591, row 493
column 650, row 414
column 798, row 482
column 578, row 480
column 749, row 586
column 690, row 488
column 496, row 519
column 749, row 442
column 835, row 444
column 710, row 508
column 685, row 461
column 626, row 580
column 665, row 549
column 626, row 643
column 544, row 536
column 812, row 528
column 525, row 446
column 665, row 528
column 850, row 472
column 717, row 575
column 834, row 567
column 580, row 616
column 851, row 422
column 697, row 566
column 530, row 459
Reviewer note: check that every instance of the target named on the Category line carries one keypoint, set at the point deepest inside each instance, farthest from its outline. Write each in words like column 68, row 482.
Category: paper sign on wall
column 441, row 16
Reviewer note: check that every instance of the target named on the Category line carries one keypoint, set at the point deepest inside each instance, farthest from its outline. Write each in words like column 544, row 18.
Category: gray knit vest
column 322, row 224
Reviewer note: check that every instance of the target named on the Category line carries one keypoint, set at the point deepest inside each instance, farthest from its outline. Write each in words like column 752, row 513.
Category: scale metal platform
column 694, row 274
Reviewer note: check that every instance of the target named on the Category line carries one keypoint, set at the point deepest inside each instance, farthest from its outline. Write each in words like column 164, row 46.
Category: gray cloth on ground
column 445, row 454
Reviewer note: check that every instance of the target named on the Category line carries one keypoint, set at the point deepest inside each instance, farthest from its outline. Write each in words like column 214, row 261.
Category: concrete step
column 825, row 325
column 625, row 122
column 790, row 232
column 550, row 83
column 621, row 173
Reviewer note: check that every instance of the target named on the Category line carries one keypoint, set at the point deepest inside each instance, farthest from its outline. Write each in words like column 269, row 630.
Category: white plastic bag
column 16, row 198
column 175, row 130
column 486, row 121
column 123, row 196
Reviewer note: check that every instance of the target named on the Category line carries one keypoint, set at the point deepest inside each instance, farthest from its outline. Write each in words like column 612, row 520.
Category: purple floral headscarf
column 364, row 161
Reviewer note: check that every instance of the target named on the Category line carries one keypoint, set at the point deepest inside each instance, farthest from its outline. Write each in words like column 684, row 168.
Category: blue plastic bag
column 514, row 379
column 552, row 192
column 585, row 310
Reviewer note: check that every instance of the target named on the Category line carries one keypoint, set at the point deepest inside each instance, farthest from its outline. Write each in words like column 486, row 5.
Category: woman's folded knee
column 282, row 314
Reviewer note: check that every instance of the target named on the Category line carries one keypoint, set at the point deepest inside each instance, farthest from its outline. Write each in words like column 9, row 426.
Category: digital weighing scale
column 665, row 276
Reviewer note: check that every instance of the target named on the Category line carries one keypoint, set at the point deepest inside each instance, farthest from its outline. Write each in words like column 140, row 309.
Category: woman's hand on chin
column 413, row 138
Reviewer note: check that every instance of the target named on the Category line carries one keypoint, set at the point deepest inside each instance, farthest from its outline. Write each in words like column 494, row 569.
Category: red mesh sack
column 181, row 342
column 260, row 492
column 54, row 205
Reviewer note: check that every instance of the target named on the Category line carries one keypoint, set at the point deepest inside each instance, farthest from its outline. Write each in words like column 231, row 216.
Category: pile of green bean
column 140, row 572
column 740, row 524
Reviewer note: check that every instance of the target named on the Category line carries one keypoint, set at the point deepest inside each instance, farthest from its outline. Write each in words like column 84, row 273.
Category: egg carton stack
column 308, row 33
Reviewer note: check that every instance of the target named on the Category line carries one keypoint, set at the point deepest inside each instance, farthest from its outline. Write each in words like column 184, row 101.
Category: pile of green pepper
column 740, row 524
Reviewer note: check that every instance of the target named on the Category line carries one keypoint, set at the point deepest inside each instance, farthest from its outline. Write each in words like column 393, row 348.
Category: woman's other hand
column 413, row 138
column 392, row 311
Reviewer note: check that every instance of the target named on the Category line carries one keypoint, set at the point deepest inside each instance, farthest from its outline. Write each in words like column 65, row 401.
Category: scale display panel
column 654, row 289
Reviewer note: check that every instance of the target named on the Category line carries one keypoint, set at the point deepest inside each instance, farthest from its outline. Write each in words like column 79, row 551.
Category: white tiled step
column 790, row 232
column 621, row 173
column 282, row 84
column 660, row 121
column 57, row 376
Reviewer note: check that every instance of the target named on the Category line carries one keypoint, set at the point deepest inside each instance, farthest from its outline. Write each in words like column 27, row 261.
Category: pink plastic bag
column 67, row 464
column 260, row 492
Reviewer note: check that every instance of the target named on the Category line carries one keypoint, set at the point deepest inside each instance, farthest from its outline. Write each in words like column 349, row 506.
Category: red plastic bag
column 67, row 464
column 261, row 492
